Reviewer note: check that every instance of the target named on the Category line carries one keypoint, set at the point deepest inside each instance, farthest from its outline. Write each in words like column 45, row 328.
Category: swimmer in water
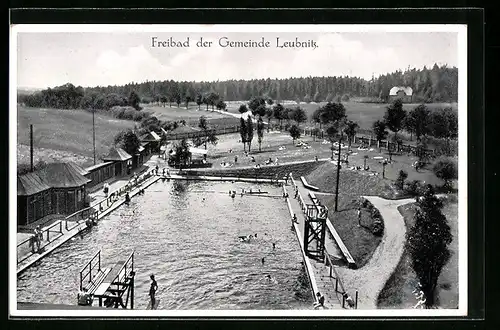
column 203, row 199
column 255, row 235
column 274, row 246
column 263, row 260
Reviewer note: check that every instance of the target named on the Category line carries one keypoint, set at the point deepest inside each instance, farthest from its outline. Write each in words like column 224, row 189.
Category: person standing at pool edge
column 152, row 291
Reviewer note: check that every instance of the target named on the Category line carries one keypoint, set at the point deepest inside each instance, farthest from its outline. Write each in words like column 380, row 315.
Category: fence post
column 48, row 235
column 343, row 301
column 330, row 269
column 356, row 305
column 336, row 284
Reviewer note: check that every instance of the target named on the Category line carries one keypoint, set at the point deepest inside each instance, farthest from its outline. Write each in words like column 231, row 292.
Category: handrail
column 89, row 265
column 32, row 240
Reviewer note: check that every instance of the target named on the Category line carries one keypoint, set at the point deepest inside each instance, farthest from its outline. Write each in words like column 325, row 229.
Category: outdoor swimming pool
column 186, row 233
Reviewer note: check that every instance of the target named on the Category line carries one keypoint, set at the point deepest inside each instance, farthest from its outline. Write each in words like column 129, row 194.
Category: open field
column 65, row 134
column 191, row 115
column 397, row 292
column 365, row 114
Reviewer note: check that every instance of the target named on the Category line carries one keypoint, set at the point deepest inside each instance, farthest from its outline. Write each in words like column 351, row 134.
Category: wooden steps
column 350, row 260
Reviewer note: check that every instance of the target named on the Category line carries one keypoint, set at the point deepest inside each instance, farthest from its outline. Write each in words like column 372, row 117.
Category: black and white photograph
column 238, row 170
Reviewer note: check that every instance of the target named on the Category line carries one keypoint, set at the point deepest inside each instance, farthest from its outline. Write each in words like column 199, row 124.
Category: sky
column 88, row 59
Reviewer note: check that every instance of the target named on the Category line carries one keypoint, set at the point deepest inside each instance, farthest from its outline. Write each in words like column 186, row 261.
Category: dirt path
column 371, row 278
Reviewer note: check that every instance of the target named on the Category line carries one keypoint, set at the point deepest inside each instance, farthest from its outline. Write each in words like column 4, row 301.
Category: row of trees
column 436, row 84
column 440, row 123
column 70, row 97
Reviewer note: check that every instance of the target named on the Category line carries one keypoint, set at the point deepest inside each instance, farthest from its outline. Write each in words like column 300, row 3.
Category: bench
column 336, row 236
column 308, row 186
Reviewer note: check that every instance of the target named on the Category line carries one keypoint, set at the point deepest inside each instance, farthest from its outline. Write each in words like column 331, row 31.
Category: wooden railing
column 339, row 286
column 95, row 209
column 86, row 271
column 26, row 247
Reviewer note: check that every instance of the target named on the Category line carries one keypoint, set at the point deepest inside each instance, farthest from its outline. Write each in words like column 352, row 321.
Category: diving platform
column 107, row 286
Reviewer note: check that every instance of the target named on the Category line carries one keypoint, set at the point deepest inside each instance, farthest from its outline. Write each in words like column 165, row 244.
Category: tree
column 427, row 243
column 208, row 134
column 243, row 108
column 315, row 132
column 317, row 97
column 278, row 113
column 294, row 133
column 409, row 126
column 299, row 115
column 394, row 116
column 187, row 99
column 249, row 132
column 316, row 116
column 419, row 118
column 400, row 181
column 181, row 153
column 178, row 99
column 260, row 111
column 269, row 116
column 446, row 170
column 243, row 132
column 379, row 131
column 269, row 101
column 332, row 112
column 260, row 132
column 199, row 100
column 350, row 131
column 345, row 98
column 307, row 98
column 329, row 97
column 133, row 100
column 332, row 132
column 221, row 105
column 255, row 102
column 128, row 141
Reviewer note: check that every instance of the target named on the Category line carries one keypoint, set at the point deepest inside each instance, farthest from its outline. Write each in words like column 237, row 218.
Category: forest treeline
column 438, row 84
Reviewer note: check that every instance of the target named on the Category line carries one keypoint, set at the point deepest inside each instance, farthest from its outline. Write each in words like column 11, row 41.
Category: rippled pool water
column 186, row 233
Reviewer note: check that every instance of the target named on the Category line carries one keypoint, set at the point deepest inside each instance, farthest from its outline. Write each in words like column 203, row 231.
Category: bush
column 401, row 179
column 378, row 228
column 414, row 188
column 446, row 170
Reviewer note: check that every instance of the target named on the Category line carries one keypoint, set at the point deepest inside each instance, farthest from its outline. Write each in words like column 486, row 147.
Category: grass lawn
column 360, row 241
column 64, row 135
column 191, row 115
column 397, row 292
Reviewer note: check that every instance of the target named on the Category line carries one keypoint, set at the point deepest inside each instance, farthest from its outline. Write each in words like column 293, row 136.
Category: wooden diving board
column 110, row 278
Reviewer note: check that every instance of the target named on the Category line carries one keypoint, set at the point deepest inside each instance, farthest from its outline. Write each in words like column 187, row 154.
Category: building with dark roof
column 58, row 188
column 121, row 159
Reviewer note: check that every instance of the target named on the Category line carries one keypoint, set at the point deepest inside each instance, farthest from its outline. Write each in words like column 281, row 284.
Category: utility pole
column 31, row 147
column 93, row 132
column 338, row 175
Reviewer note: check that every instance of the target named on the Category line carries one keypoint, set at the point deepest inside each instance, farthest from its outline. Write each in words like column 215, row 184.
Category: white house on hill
column 399, row 92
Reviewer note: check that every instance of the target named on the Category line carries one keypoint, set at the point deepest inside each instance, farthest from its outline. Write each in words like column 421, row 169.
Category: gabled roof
column 97, row 166
column 30, row 184
column 61, row 175
column 150, row 137
column 117, row 154
column 78, row 168
column 407, row 90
